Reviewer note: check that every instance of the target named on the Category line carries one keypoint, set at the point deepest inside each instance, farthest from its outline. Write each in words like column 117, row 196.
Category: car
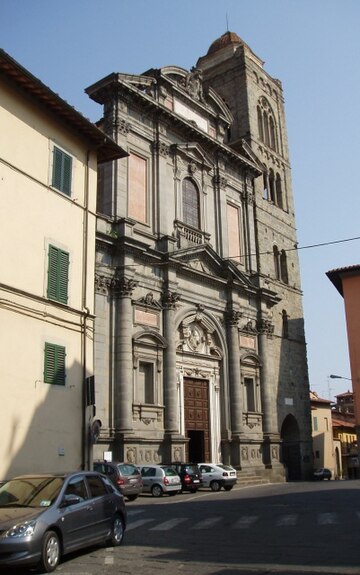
column 125, row 476
column 43, row 517
column 217, row 476
column 189, row 474
column 160, row 479
column 322, row 473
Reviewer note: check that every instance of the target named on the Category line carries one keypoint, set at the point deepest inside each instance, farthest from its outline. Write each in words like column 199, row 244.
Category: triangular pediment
column 193, row 152
column 205, row 260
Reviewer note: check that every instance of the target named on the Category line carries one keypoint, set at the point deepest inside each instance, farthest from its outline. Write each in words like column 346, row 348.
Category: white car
column 217, row 476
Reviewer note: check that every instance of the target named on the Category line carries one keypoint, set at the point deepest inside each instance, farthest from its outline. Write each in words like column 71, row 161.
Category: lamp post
column 333, row 376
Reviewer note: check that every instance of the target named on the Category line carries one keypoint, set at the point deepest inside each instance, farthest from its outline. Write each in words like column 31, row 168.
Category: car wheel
column 50, row 552
column 215, row 485
column 228, row 487
column 193, row 490
column 156, row 491
column 131, row 497
column 117, row 531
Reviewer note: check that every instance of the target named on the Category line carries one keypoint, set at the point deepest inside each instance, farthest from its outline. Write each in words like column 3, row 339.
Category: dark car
column 43, row 517
column 189, row 474
column 125, row 476
column 322, row 473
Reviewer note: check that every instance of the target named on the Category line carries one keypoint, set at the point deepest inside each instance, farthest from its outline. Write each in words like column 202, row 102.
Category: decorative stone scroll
column 232, row 317
column 170, row 299
column 123, row 287
column 265, row 326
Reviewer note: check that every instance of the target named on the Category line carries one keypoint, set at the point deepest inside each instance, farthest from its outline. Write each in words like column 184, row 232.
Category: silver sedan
column 43, row 517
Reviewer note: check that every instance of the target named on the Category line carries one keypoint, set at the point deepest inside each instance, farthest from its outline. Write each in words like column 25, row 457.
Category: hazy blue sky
column 312, row 46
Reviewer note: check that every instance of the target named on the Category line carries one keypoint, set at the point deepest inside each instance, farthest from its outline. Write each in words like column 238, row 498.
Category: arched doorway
column 290, row 451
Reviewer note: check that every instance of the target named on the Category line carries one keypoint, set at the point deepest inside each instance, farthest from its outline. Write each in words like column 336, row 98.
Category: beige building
column 326, row 447
column 200, row 350
column 49, row 155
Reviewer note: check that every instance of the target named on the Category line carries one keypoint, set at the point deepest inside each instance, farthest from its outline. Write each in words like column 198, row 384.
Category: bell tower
column 256, row 102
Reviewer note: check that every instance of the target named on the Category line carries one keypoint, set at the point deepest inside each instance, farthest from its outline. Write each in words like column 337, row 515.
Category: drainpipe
column 85, row 312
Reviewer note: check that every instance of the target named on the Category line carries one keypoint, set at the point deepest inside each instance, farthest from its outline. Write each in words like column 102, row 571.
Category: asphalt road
column 293, row 528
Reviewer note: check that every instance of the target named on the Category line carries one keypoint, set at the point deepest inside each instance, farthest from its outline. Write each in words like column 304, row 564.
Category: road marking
column 138, row 523
column 167, row 525
column 207, row 523
column 245, row 521
column 326, row 518
column 286, row 520
column 132, row 512
column 109, row 560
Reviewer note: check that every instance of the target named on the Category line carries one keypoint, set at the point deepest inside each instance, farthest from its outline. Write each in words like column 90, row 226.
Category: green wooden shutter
column 57, row 168
column 62, row 169
column 66, row 174
column 58, row 274
column 54, row 364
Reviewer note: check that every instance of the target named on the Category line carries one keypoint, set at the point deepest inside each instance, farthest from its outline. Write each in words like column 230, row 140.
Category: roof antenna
column 227, row 23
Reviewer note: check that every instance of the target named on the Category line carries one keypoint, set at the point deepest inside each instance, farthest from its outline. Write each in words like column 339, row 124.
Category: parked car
column 189, row 474
column 43, row 517
column 217, row 476
column 322, row 473
column 124, row 476
column 160, row 479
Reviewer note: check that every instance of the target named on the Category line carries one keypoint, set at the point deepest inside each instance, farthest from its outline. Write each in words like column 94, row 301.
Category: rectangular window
column 146, row 383
column 315, row 424
column 234, row 243
column 54, row 364
column 249, row 390
column 137, row 204
column 62, row 170
column 58, row 274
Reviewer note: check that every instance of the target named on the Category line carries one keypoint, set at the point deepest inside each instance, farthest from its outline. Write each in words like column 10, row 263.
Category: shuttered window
column 62, row 168
column 54, row 364
column 58, row 274
column 191, row 204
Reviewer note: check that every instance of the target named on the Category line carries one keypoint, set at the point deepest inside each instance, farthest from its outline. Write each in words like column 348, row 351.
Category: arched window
column 260, row 124
column 285, row 324
column 266, row 186
column 190, row 204
column 266, row 124
column 280, row 265
column 272, row 194
column 283, row 267
column 279, row 197
column 276, row 262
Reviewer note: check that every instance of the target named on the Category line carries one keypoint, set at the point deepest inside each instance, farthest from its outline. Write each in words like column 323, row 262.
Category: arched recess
column 203, row 394
column 250, row 381
column 148, row 349
column 290, row 452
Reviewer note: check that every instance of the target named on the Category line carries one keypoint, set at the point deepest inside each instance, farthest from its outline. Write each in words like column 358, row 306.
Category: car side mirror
column 70, row 499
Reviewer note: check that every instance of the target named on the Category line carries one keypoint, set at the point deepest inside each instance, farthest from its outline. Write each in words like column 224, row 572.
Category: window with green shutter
column 58, row 274
column 62, row 169
column 54, row 364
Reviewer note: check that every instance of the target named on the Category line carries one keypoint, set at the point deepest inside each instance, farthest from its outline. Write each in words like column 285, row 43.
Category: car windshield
column 30, row 491
column 226, row 467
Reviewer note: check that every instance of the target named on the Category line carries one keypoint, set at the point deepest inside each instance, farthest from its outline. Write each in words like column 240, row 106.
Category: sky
column 312, row 46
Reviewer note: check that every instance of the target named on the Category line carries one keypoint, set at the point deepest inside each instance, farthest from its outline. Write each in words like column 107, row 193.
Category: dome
column 225, row 40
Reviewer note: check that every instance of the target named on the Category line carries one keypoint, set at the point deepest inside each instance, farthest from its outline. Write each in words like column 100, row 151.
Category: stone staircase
column 247, row 477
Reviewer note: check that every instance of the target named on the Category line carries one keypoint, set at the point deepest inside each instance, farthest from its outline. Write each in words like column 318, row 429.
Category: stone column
column 236, row 403
column 271, row 446
column 123, row 365
column 169, row 301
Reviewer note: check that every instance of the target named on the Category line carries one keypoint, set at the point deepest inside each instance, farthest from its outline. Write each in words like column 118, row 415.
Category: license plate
column 196, row 481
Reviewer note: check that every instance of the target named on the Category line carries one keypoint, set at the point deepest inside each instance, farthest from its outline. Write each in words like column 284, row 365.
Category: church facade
column 200, row 351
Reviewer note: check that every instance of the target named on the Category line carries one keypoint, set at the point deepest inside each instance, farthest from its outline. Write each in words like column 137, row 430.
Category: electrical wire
column 297, row 248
